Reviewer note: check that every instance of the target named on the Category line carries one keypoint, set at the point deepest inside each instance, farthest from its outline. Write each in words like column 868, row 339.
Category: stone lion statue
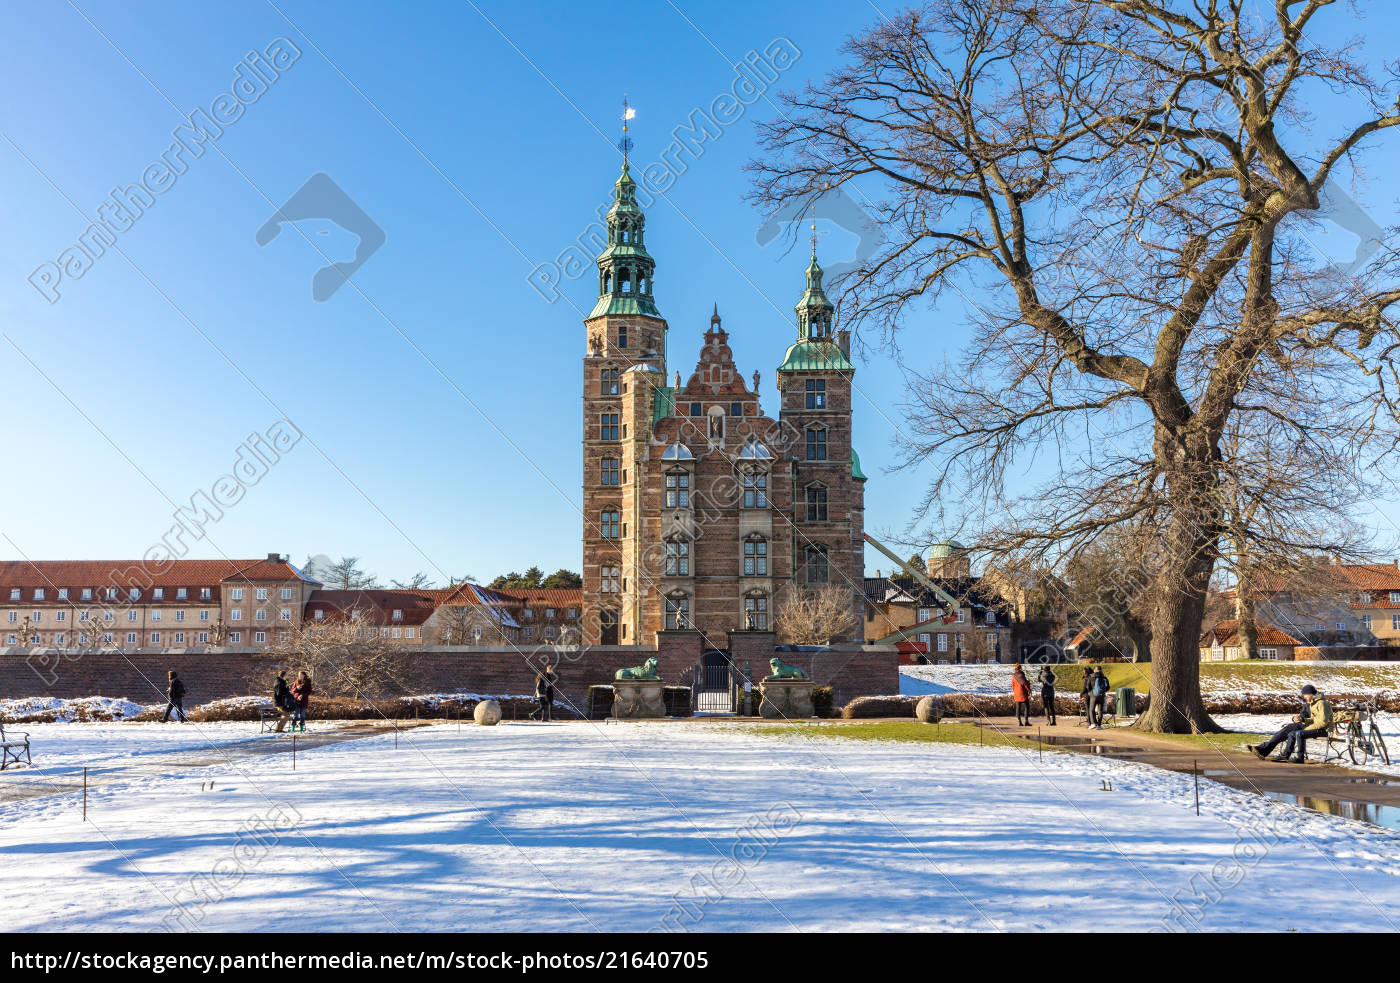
column 781, row 670
column 647, row 670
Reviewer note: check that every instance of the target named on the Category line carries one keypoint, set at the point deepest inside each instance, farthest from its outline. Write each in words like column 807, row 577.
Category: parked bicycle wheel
column 1358, row 747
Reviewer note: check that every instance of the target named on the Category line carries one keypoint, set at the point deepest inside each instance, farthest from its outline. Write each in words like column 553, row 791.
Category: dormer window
column 38, row 593
column 398, row 614
column 181, row 593
column 158, row 594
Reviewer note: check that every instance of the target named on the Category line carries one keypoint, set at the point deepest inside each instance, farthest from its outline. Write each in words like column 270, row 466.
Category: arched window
column 678, row 489
column 818, row 569
column 816, row 443
column 716, row 416
column 678, row 610
column 755, row 488
column 609, row 520
column 816, row 502
column 756, row 611
column 678, row 557
column 755, row 557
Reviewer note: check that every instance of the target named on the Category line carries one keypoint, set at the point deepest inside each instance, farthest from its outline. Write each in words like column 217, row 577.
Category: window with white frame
column 678, row 489
column 158, row 594
column 609, row 578
column 63, row 593
column 203, row 638
column 319, row 616
column 755, row 557
column 286, row 593
column 262, row 593
column 179, row 638
column 1268, row 654
column 181, row 593
column 924, row 615
column 1366, row 621
column 285, row 614
column 155, row 638
column 38, row 593
column 179, row 616
column 755, row 488
column 131, row 638
column 130, row 615
column 236, row 594
column 260, row 614
column 677, row 557
column 260, row 637
column 60, row 616
column 235, row 638
column 942, row 642
column 155, row 615
column 203, row 615
column 236, row 614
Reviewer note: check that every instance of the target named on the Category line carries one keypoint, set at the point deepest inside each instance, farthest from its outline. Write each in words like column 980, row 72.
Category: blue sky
column 438, row 396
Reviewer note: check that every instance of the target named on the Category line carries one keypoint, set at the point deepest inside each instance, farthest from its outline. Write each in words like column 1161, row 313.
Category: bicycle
column 1357, row 725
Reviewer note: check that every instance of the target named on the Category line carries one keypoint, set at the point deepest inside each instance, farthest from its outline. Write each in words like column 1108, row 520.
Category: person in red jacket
column 301, row 693
column 1021, row 695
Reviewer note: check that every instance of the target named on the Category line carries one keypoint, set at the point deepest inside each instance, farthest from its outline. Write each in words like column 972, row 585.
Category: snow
column 919, row 680
column 85, row 708
column 592, row 826
column 1267, row 724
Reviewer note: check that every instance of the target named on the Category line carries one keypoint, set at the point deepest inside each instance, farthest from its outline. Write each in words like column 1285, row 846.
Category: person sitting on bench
column 1314, row 721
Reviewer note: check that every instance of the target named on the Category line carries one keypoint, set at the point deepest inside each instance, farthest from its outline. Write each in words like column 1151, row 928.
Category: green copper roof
column 623, row 304
column 856, row 472
column 814, row 354
column 663, row 403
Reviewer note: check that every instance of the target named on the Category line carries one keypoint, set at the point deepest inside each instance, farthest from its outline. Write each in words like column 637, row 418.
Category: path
column 1328, row 788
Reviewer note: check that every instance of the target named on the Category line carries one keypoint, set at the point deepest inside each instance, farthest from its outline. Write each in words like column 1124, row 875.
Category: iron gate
column 715, row 684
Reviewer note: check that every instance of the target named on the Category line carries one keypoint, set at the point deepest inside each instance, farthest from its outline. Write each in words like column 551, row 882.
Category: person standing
column 301, row 696
column 1086, row 699
column 1047, row 693
column 1021, row 696
column 282, row 700
column 175, row 697
column 1098, row 693
column 544, row 692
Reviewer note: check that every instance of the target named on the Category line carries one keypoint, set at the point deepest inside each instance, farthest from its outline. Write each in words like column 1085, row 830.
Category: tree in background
column 419, row 581
column 534, row 579
column 814, row 615
column 917, row 562
column 344, row 574
column 1129, row 186
column 346, row 657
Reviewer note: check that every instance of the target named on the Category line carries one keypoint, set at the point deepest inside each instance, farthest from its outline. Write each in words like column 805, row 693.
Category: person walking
column 1314, row 721
column 175, row 697
column 1098, row 692
column 544, row 692
column 1086, row 697
column 1021, row 696
column 282, row 700
column 301, row 696
column 1047, row 693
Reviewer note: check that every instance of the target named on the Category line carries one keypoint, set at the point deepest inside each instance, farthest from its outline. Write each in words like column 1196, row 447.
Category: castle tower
column 623, row 371
column 828, row 497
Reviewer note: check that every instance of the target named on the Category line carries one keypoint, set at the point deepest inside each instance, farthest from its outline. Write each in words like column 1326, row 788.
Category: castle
column 699, row 510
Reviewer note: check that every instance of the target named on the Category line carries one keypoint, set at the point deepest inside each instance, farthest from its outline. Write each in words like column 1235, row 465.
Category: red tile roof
column 377, row 606
column 77, row 574
column 1340, row 576
column 567, row 597
column 1228, row 632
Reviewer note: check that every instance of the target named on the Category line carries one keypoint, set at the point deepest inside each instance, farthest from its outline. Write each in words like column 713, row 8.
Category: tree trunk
column 1244, row 601
column 1178, row 610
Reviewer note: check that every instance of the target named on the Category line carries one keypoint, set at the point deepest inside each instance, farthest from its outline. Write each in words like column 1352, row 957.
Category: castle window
column 816, row 503
column 695, row 410
column 678, row 611
column 608, row 382
column 622, row 332
column 818, row 569
column 608, row 423
column 756, row 612
column 816, row 443
column 610, row 469
column 816, row 394
column 607, row 627
column 678, row 489
column 609, row 522
column 677, row 558
column 736, row 409
column 756, row 557
column 755, row 488
column 609, row 576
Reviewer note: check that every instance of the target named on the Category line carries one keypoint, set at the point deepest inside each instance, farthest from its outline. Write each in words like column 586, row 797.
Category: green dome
column 947, row 548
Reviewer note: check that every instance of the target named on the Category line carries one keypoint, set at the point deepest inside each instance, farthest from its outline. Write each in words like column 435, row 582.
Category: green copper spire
column 814, row 311
column 625, row 268
column 815, row 349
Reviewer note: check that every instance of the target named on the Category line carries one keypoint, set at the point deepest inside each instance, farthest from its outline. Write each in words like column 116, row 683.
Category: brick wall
column 853, row 671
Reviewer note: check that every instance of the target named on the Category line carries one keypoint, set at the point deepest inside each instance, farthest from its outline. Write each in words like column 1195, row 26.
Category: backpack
column 1100, row 685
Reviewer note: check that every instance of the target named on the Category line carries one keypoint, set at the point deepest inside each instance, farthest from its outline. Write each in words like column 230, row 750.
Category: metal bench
column 13, row 752
column 268, row 718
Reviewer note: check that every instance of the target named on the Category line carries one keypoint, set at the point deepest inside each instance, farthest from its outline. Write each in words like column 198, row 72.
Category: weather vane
column 625, row 144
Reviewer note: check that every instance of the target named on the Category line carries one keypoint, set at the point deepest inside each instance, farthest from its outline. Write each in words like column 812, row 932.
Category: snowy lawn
column 682, row 825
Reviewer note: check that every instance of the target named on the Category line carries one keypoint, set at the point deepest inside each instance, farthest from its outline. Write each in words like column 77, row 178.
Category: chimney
column 274, row 558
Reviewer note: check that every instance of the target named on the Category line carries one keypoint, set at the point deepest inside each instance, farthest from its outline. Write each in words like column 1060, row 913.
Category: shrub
column 822, row 698
column 879, row 706
column 600, row 702
column 677, row 700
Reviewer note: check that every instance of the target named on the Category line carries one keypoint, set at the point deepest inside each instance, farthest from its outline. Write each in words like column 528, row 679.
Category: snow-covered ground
column 683, row 825
column 919, row 680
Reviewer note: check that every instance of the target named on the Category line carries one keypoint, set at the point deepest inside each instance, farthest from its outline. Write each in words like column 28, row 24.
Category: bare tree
column 1128, row 186
column 815, row 615
column 419, row 581
column 347, row 657
column 345, row 574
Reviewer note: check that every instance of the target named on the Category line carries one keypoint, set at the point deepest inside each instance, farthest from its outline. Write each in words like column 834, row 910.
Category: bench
column 268, row 718
column 13, row 752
